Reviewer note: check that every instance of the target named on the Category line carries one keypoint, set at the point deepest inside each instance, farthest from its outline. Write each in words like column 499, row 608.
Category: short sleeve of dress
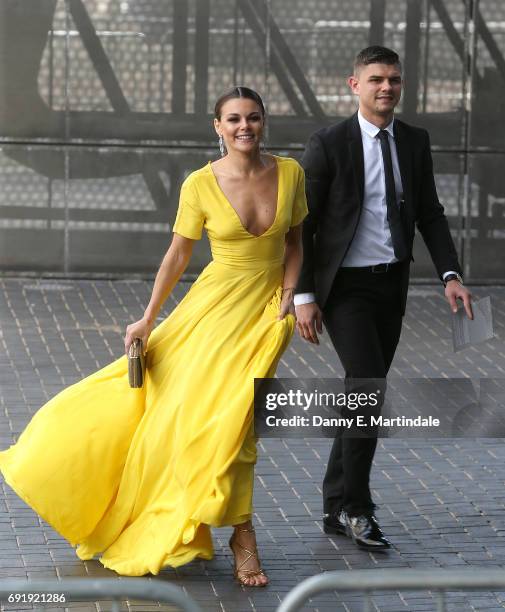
column 300, row 210
column 190, row 218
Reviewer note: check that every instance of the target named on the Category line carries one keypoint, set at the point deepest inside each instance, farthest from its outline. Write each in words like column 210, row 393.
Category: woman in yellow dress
column 140, row 475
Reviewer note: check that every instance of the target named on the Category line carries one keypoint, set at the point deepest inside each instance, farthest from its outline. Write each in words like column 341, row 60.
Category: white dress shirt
column 372, row 243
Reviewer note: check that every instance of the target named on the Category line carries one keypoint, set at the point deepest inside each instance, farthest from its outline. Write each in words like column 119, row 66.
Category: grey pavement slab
column 441, row 501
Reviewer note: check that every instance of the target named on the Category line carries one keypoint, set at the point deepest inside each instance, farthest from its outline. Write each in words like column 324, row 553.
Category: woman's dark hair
column 238, row 92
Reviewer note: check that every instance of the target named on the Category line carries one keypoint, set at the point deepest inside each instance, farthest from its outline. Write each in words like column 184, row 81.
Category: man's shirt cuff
column 304, row 298
column 444, row 275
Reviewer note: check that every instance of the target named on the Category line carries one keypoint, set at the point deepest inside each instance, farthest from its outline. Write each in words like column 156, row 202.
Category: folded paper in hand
column 466, row 332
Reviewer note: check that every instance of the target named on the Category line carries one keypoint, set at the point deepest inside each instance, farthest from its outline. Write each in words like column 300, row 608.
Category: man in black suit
column 369, row 181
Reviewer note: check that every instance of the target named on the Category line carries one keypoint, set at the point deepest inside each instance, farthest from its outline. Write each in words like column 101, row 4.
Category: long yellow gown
column 140, row 475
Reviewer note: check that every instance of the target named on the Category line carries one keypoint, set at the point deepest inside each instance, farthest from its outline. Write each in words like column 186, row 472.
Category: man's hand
column 309, row 321
column 455, row 290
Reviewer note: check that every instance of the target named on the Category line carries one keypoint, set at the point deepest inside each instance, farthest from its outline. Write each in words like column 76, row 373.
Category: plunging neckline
column 235, row 211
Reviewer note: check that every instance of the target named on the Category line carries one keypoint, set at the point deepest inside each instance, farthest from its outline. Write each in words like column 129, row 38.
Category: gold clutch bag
column 136, row 364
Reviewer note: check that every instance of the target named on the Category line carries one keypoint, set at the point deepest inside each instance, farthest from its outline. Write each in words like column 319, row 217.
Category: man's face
column 379, row 88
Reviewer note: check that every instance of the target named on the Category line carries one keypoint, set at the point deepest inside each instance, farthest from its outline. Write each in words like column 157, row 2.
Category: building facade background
column 106, row 106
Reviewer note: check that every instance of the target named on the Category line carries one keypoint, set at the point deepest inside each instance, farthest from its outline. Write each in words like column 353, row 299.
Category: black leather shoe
column 366, row 533
column 335, row 523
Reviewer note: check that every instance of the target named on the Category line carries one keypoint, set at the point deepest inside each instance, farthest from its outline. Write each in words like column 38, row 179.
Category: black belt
column 377, row 269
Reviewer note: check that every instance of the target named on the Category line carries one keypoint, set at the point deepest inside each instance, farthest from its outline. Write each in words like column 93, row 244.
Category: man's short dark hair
column 376, row 55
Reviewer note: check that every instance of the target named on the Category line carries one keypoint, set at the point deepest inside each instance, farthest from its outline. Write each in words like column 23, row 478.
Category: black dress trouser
column 363, row 319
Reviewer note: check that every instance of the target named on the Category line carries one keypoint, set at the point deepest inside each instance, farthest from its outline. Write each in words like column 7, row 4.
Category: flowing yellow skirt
column 140, row 475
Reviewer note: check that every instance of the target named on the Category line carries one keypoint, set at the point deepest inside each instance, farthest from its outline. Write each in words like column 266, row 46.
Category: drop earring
column 222, row 148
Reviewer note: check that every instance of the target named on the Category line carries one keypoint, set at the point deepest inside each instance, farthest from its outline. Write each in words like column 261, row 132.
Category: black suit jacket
column 334, row 175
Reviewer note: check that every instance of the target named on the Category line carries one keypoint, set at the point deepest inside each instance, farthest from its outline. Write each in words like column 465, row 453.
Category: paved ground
column 442, row 502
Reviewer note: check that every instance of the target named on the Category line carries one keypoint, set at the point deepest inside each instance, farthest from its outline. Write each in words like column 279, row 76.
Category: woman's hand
column 141, row 329
column 287, row 305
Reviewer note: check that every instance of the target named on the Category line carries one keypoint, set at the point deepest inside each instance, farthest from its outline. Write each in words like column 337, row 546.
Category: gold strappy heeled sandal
column 242, row 575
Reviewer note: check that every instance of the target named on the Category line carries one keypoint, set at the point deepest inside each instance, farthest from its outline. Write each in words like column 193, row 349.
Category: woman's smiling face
column 241, row 125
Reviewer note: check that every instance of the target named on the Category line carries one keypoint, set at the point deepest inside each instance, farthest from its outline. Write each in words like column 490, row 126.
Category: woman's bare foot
column 247, row 565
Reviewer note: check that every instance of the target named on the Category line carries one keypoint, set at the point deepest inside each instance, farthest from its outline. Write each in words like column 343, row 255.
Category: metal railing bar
column 393, row 579
column 94, row 589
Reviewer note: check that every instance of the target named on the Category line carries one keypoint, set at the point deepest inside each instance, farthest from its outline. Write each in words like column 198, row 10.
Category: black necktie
column 393, row 214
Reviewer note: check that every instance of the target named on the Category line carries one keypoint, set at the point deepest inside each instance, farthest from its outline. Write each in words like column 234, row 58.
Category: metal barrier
column 393, row 579
column 52, row 591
